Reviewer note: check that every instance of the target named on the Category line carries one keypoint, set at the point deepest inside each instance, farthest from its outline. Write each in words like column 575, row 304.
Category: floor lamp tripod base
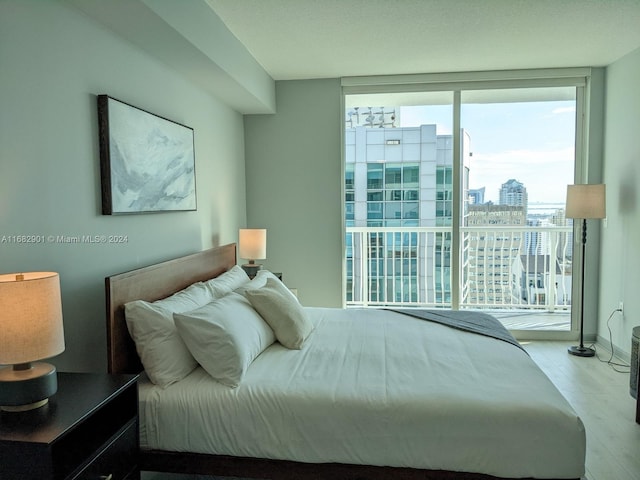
column 581, row 351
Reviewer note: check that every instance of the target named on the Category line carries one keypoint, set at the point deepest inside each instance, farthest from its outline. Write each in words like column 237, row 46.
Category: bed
column 372, row 394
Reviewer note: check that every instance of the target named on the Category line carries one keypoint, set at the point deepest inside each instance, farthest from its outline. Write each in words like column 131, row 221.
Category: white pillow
column 259, row 281
column 282, row 311
column 163, row 354
column 227, row 282
column 225, row 336
column 195, row 295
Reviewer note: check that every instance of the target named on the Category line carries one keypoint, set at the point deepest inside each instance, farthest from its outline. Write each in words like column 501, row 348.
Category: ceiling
column 300, row 39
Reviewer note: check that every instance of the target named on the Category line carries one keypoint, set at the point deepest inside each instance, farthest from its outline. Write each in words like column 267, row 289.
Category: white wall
column 53, row 62
column 294, row 187
column 620, row 253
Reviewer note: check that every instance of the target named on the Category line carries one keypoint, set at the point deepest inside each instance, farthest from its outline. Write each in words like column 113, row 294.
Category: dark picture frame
column 147, row 162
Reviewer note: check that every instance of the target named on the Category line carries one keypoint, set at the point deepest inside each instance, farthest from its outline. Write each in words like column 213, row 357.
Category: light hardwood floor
column 599, row 395
column 601, row 398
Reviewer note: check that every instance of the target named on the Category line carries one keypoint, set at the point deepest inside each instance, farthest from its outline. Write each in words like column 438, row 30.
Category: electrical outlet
column 621, row 307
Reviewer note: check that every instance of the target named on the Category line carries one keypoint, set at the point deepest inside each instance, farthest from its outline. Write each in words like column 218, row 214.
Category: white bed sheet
column 378, row 388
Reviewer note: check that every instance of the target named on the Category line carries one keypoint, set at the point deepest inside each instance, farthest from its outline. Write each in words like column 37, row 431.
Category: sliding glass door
column 518, row 253
column 454, row 198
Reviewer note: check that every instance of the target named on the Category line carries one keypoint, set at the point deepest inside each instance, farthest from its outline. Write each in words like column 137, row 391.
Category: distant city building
column 540, row 276
column 490, row 214
column 514, row 193
column 476, row 196
column 540, row 243
column 488, row 272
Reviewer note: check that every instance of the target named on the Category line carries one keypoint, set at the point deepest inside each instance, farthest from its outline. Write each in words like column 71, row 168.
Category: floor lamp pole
column 581, row 350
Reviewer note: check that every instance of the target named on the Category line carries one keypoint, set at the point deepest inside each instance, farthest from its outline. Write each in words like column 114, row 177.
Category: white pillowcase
column 225, row 336
column 281, row 310
column 259, row 281
column 227, row 282
column 164, row 356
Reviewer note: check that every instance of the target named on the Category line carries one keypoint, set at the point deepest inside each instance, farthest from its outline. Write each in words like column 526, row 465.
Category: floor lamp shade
column 31, row 329
column 586, row 201
column 252, row 246
column 583, row 202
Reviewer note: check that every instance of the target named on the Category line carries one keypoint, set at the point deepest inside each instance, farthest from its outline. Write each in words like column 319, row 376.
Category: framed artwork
column 147, row 162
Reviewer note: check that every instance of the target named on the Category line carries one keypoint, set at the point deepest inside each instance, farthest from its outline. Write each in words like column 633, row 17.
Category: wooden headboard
column 153, row 283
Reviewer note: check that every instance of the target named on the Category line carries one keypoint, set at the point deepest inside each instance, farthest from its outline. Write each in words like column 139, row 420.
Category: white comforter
column 378, row 388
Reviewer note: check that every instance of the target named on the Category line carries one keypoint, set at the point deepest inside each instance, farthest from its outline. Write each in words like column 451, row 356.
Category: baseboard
column 619, row 353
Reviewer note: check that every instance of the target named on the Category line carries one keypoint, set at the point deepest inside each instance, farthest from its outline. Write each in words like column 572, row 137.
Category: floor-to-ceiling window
column 454, row 195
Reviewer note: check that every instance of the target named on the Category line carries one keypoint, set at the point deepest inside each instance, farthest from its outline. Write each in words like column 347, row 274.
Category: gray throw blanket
column 475, row 322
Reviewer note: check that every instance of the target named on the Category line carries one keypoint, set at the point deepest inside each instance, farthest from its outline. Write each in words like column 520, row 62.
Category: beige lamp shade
column 253, row 243
column 30, row 317
column 586, row 201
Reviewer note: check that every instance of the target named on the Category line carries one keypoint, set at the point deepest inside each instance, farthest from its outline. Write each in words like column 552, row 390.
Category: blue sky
column 532, row 142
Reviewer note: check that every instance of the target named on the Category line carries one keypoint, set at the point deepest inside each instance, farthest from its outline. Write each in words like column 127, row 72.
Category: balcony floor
column 533, row 320
column 520, row 319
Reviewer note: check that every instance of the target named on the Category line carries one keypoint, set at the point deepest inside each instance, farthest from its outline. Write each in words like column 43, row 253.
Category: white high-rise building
column 400, row 177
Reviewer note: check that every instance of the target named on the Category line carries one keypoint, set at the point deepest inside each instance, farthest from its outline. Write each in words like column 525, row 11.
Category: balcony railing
column 523, row 268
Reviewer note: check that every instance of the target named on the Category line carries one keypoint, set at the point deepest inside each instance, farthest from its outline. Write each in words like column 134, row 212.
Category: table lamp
column 584, row 201
column 31, row 329
column 252, row 247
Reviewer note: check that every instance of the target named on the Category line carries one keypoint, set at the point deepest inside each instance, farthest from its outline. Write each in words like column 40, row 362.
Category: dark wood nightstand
column 277, row 274
column 88, row 430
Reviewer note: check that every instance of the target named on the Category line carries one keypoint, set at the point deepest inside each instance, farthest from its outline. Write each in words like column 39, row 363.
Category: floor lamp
column 584, row 201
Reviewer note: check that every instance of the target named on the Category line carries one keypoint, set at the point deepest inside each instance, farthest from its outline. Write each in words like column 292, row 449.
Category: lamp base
column 24, row 408
column 28, row 387
column 251, row 269
column 581, row 351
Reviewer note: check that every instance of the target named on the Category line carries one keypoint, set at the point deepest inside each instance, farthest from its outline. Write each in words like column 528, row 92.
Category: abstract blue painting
column 147, row 161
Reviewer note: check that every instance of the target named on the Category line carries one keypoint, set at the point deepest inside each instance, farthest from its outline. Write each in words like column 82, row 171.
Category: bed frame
column 163, row 279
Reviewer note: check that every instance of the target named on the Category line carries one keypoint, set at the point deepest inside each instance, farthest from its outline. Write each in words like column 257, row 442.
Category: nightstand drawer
column 118, row 458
